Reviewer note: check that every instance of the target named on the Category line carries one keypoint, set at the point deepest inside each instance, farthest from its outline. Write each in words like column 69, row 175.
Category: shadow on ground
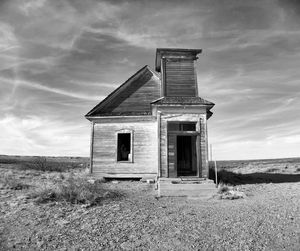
column 228, row 177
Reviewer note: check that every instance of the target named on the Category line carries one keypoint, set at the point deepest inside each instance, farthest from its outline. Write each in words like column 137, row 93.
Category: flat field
column 268, row 218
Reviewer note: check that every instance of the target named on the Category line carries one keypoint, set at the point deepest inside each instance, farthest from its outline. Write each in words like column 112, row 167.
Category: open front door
column 186, row 156
column 183, row 149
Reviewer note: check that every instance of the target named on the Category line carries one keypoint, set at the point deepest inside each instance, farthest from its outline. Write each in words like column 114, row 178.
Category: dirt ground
column 267, row 219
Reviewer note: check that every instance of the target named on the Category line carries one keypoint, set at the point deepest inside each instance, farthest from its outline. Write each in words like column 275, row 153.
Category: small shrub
column 45, row 195
column 233, row 195
column 298, row 169
column 229, row 193
column 75, row 191
column 41, row 163
column 223, row 188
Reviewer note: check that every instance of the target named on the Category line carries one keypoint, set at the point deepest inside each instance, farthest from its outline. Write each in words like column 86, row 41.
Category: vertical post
column 199, row 157
column 216, row 173
column 92, row 146
column 198, row 150
column 203, row 148
column 158, row 144
column 215, row 165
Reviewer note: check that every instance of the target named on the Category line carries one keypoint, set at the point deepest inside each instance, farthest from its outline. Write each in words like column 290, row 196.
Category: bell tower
column 179, row 77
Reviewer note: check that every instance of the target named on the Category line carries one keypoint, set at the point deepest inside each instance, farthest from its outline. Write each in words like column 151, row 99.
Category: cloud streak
column 60, row 58
column 49, row 89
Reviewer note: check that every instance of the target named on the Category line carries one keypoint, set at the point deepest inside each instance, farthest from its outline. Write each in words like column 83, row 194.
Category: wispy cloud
column 49, row 89
column 60, row 58
column 8, row 39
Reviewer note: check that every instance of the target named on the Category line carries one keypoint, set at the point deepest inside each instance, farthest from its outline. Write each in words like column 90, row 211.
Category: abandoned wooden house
column 155, row 125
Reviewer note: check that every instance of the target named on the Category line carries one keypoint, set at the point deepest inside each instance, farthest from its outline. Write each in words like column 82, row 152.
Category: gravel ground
column 267, row 219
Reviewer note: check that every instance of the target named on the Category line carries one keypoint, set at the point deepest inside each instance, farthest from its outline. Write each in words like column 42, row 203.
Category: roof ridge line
column 111, row 95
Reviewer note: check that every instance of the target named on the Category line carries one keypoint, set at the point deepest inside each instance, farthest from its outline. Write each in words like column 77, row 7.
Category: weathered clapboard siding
column 200, row 120
column 179, row 77
column 135, row 98
column 144, row 149
column 140, row 100
column 203, row 147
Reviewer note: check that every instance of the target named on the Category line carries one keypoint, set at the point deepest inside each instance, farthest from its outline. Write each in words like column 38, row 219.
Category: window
column 124, row 147
column 175, row 126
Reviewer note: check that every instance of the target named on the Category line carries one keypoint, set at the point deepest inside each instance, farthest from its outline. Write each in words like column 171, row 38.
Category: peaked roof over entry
column 183, row 101
column 133, row 97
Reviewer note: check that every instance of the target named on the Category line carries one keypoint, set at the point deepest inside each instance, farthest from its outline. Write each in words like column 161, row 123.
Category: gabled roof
column 133, row 97
column 186, row 101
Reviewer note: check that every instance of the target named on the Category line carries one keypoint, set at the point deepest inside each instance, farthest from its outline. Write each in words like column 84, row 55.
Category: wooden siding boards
column 131, row 98
column 180, row 78
column 144, row 149
column 140, row 97
column 178, row 71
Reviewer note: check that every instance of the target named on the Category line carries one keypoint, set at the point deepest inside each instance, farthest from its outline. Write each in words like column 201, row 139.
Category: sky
column 59, row 58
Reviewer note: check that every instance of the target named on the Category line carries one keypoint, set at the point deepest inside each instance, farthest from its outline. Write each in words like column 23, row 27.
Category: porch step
column 204, row 188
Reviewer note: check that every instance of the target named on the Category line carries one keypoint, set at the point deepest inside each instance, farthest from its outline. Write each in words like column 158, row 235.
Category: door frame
column 193, row 152
column 197, row 149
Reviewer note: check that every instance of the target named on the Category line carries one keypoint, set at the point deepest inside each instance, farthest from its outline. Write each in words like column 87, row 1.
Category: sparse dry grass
column 75, row 191
column 11, row 182
column 42, row 164
column 140, row 221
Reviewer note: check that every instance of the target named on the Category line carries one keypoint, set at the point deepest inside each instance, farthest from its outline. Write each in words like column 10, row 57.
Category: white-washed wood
column 144, row 149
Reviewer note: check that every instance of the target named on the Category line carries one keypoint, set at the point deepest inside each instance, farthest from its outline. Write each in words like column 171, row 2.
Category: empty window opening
column 124, row 146
column 181, row 126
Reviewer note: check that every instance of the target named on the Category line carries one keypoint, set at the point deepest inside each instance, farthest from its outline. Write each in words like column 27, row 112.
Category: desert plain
column 128, row 215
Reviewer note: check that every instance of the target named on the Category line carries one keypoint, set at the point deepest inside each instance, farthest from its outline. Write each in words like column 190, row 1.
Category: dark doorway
column 186, row 156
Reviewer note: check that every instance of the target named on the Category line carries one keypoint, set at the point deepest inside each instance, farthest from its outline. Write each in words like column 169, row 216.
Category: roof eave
column 159, row 51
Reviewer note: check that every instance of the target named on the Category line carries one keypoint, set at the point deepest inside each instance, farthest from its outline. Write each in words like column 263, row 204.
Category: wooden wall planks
column 136, row 98
column 179, row 77
column 145, row 153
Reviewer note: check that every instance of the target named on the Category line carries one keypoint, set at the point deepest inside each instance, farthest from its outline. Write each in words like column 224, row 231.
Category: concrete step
column 186, row 181
column 205, row 189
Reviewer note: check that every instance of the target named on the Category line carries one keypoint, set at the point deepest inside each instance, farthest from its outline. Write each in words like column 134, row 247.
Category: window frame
column 181, row 124
column 130, row 158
